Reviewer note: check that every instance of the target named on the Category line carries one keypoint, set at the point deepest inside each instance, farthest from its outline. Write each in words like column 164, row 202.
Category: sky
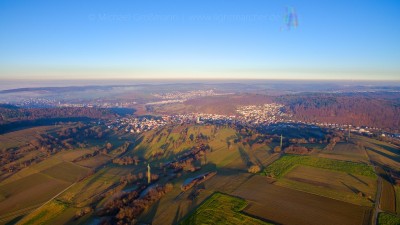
column 207, row 39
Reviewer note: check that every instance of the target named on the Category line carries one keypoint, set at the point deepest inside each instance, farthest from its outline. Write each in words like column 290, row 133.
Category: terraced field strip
column 388, row 196
column 280, row 167
column 9, row 216
column 356, row 189
column 287, row 206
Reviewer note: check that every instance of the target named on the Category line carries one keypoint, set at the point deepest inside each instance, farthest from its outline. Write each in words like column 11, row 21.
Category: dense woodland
column 373, row 110
column 10, row 113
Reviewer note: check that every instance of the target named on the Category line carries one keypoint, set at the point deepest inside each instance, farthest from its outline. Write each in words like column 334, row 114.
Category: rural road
column 377, row 209
column 27, row 210
column 377, row 201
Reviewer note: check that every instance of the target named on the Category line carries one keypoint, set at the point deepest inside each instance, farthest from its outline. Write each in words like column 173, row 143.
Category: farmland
column 272, row 202
column 325, row 187
column 388, row 219
column 17, row 196
column 345, row 187
column 45, row 179
column 397, row 190
column 388, row 197
column 346, row 152
column 382, row 153
column 44, row 214
column 280, row 167
column 221, row 209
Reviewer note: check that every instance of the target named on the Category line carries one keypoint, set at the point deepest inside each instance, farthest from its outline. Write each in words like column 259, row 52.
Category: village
column 250, row 115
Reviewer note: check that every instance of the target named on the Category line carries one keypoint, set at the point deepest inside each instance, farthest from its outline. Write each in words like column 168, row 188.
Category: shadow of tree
column 358, row 179
column 245, row 157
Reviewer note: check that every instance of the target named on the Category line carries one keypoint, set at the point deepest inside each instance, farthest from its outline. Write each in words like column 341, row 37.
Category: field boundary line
column 48, row 201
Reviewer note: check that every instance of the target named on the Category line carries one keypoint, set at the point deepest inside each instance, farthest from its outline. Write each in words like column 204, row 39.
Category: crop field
column 397, row 190
column 44, row 214
column 32, row 186
column 66, row 171
column 346, row 152
column 280, row 167
column 53, row 161
column 273, row 203
column 94, row 162
column 388, row 197
column 221, row 209
column 382, row 153
column 346, row 187
column 175, row 205
column 29, row 191
column 388, row 219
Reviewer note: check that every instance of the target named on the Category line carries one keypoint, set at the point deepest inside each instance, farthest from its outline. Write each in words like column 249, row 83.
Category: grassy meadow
column 221, row 209
column 280, row 167
column 388, row 219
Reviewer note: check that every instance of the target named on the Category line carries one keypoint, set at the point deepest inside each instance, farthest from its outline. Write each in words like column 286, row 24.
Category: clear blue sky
column 71, row 39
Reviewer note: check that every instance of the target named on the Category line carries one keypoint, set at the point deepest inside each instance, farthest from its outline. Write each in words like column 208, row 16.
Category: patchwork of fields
column 326, row 187
column 46, row 183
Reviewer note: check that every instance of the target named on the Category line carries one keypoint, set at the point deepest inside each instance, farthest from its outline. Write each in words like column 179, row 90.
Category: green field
column 280, row 167
column 221, row 209
column 388, row 219
column 44, row 214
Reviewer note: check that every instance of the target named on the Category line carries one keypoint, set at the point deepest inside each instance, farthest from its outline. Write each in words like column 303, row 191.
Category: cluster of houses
column 262, row 114
column 253, row 115
column 136, row 125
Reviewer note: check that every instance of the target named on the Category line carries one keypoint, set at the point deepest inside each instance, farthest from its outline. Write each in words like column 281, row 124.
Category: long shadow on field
column 244, row 156
column 178, row 215
column 395, row 151
column 353, row 189
column 152, row 213
column 358, row 179
column 395, row 158
column 15, row 220
column 258, row 217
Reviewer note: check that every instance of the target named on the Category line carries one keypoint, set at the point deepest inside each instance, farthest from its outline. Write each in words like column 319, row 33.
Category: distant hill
column 12, row 114
column 371, row 109
column 8, row 106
